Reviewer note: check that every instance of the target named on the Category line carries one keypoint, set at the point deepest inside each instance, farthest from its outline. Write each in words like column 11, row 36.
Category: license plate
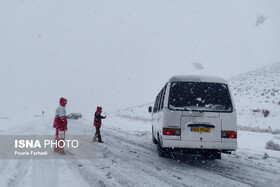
column 199, row 129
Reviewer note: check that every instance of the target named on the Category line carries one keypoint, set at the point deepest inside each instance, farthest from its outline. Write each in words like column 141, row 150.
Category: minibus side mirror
column 150, row 109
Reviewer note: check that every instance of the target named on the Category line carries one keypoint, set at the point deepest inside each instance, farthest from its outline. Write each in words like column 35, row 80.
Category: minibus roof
column 197, row 78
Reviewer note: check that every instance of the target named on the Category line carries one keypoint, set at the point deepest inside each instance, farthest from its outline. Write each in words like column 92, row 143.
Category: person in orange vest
column 60, row 123
column 97, row 123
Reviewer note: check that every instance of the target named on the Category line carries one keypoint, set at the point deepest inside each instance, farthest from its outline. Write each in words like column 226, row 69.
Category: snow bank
column 272, row 145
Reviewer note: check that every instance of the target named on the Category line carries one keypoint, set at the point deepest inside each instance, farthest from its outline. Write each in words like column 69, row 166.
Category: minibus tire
column 153, row 137
column 210, row 156
column 162, row 152
column 218, row 155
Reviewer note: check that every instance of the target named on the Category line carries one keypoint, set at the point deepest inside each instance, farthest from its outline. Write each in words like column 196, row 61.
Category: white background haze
column 120, row 53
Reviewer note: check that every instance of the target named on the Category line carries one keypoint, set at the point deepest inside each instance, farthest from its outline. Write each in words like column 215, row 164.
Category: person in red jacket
column 60, row 123
column 97, row 123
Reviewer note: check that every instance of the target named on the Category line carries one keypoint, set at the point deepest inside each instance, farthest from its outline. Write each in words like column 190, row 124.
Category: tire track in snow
column 134, row 160
column 137, row 165
column 223, row 170
column 91, row 178
column 143, row 170
column 44, row 172
column 120, row 179
column 173, row 168
column 238, row 176
column 21, row 170
column 100, row 169
column 89, row 172
column 3, row 166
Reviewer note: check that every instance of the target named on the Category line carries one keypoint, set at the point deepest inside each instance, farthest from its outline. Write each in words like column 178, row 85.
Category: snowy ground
column 129, row 158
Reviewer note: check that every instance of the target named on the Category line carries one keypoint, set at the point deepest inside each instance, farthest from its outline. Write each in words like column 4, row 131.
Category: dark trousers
column 97, row 132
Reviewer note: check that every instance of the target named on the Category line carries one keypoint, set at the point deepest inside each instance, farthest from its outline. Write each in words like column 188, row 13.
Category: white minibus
column 196, row 115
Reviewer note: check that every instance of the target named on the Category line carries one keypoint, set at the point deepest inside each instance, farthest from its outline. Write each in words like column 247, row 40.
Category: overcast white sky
column 120, row 53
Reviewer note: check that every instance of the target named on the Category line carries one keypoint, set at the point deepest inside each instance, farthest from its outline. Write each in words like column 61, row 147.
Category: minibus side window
column 156, row 103
column 159, row 100
column 162, row 98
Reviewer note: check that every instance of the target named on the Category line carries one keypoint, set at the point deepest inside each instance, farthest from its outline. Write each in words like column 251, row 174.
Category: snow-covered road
column 129, row 158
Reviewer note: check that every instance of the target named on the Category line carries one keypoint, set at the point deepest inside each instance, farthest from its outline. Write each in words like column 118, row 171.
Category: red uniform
column 98, row 117
column 60, row 123
column 97, row 123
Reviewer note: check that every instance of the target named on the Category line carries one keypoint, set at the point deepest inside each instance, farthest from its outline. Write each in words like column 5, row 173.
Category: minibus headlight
column 229, row 134
column 171, row 131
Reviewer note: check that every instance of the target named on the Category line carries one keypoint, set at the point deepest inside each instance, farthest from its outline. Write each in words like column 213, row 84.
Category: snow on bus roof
column 197, row 78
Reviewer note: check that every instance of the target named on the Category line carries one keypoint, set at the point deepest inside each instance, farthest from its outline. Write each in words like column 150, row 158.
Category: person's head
column 99, row 109
column 63, row 101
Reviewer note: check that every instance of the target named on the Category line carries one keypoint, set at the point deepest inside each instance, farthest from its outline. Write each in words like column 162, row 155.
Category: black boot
column 100, row 141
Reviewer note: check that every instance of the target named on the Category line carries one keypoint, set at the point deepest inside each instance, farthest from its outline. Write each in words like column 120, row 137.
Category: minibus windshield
column 200, row 96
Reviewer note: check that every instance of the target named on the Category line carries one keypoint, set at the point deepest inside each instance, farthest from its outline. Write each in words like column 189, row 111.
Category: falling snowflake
column 260, row 19
column 197, row 65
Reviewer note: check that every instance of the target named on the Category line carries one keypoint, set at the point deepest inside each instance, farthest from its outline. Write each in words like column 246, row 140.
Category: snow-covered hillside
column 256, row 93
column 139, row 112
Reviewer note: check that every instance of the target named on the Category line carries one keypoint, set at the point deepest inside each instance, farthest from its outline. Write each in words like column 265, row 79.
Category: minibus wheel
column 211, row 155
column 218, row 155
column 153, row 136
column 163, row 152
